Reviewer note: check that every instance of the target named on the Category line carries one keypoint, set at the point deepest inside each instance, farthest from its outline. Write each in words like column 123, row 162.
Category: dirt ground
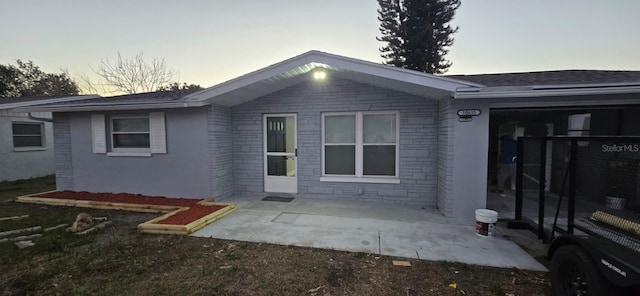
column 118, row 260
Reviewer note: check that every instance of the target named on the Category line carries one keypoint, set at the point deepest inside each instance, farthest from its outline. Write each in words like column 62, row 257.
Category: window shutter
column 99, row 132
column 158, row 135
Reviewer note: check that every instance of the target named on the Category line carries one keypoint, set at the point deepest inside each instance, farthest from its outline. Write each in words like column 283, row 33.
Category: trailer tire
column 573, row 272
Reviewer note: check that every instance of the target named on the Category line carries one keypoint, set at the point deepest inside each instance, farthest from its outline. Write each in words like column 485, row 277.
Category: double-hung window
column 27, row 135
column 360, row 147
column 130, row 132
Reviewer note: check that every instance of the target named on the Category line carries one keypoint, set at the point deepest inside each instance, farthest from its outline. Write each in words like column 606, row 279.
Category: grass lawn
column 120, row 261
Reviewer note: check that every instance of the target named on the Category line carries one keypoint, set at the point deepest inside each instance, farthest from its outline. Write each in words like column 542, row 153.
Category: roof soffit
column 292, row 71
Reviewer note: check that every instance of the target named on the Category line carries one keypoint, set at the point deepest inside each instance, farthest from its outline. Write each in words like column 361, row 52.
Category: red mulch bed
column 122, row 198
column 195, row 211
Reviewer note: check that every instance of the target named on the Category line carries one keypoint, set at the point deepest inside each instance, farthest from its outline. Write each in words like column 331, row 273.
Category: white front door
column 280, row 153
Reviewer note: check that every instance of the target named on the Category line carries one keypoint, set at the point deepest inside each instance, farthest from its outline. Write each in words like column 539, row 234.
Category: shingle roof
column 11, row 100
column 559, row 77
column 157, row 96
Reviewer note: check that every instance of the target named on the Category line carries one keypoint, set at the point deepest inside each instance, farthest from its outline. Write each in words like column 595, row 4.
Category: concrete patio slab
column 394, row 230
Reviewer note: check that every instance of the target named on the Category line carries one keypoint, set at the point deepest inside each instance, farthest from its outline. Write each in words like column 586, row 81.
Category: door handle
column 296, row 152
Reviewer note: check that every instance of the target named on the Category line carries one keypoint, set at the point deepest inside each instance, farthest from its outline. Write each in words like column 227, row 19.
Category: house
column 317, row 125
column 26, row 139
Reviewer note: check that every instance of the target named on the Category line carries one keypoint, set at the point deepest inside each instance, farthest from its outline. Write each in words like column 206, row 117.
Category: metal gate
column 592, row 179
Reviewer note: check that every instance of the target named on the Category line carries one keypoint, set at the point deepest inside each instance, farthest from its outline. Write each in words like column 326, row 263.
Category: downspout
column 39, row 118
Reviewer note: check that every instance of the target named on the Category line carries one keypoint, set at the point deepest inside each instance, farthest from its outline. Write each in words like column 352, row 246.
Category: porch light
column 319, row 75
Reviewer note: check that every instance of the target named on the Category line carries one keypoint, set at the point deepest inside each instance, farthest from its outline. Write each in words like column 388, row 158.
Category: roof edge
column 319, row 58
column 47, row 101
column 546, row 91
column 114, row 106
column 398, row 69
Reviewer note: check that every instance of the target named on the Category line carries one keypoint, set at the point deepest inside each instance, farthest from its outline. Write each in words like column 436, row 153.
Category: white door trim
column 279, row 184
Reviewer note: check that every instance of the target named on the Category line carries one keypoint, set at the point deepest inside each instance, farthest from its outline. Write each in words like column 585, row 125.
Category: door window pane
column 291, row 167
column 340, row 129
column 379, row 128
column 290, row 130
column 281, row 132
column 281, row 166
column 379, row 160
column 276, row 140
column 340, row 160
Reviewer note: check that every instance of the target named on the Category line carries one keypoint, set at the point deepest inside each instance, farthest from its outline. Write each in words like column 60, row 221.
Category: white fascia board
column 550, row 104
column 590, row 85
column 314, row 59
column 47, row 101
column 553, row 92
column 108, row 107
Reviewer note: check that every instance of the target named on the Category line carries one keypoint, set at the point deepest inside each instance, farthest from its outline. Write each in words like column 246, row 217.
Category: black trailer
column 601, row 261
column 594, row 243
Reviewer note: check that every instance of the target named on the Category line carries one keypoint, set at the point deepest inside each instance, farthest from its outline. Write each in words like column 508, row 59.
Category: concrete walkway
column 370, row 227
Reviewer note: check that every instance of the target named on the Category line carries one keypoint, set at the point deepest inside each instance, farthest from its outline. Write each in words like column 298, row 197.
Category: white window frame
column 359, row 177
column 102, row 127
column 579, row 131
column 42, row 145
column 128, row 151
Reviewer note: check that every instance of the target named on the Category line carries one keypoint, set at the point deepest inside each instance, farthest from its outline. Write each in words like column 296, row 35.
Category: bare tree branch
column 131, row 75
column 87, row 86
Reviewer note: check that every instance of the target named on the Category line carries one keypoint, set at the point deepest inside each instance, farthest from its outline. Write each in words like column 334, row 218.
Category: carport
column 576, row 103
column 620, row 120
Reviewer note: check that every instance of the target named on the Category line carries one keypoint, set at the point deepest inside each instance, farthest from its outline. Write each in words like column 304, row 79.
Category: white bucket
column 486, row 222
column 616, row 203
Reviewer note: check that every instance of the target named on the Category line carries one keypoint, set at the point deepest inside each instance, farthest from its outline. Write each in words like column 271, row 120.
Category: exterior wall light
column 319, row 75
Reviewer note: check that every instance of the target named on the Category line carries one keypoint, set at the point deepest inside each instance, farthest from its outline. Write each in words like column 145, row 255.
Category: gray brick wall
column 62, row 146
column 418, row 140
column 445, row 157
column 220, row 142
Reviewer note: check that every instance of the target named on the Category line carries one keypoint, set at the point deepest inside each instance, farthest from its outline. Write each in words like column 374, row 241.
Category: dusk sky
column 208, row 42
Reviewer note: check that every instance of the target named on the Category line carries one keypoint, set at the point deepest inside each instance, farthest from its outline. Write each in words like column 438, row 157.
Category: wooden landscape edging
column 103, row 205
column 14, row 218
column 208, row 219
column 150, row 226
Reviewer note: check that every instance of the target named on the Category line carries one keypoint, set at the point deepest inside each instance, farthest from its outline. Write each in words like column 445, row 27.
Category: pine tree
column 417, row 33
